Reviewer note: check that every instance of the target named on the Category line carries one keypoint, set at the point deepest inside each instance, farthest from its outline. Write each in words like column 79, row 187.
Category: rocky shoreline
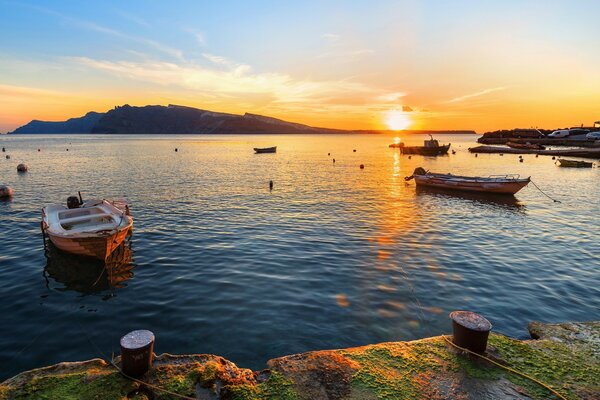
column 566, row 357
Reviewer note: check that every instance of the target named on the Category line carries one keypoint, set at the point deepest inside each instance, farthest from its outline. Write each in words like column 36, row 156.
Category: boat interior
column 81, row 219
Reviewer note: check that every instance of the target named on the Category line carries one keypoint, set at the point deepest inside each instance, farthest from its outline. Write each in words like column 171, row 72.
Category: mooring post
column 470, row 330
column 136, row 352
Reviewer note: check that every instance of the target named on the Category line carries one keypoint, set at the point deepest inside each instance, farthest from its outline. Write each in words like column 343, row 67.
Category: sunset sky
column 479, row 65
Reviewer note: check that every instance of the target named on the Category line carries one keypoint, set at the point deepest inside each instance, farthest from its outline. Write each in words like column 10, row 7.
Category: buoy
column 470, row 330
column 176, row 149
column 354, row 150
column 362, row 166
column 554, row 158
column 270, row 185
column 22, row 168
column 5, row 192
column 501, row 154
column 7, row 157
column 39, row 150
column 520, row 160
column 67, row 149
column 3, row 150
column 476, row 154
column 409, row 157
column 136, row 352
column 334, row 160
column 328, row 154
column 453, row 151
column 537, row 155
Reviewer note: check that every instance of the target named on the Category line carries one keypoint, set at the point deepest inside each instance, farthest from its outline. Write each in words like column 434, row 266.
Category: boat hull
column 574, row 163
column 498, row 187
column 425, row 151
column 265, row 150
column 97, row 246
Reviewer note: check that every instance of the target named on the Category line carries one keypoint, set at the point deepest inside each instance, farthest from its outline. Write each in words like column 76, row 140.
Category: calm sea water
column 334, row 256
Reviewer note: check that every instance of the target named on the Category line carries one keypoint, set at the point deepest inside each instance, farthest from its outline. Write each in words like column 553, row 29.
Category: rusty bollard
column 136, row 352
column 470, row 330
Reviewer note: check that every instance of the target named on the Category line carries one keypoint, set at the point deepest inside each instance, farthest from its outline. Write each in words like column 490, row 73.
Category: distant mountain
column 174, row 119
column 83, row 124
column 188, row 120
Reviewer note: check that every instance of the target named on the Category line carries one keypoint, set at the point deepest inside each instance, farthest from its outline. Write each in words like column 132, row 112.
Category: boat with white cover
column 94, row 228
column 498, row 184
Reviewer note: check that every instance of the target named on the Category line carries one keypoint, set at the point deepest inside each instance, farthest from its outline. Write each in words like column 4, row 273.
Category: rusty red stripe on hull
column 93, row 246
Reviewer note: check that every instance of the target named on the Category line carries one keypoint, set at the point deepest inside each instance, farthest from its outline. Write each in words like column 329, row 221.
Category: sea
column 332, row 256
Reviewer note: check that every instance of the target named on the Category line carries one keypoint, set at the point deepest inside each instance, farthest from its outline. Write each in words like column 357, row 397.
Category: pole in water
column 270, row 185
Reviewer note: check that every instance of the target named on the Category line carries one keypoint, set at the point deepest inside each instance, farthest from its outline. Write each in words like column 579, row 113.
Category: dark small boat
column 497, row 184
column 266, row 149
column 525, row 146
column 431, row 148
column 396, row 145
column 574, row 163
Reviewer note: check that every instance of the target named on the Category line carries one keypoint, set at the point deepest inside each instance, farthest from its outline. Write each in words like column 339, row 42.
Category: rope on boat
column 514, row 371
column 538, row 188
column 111, row 362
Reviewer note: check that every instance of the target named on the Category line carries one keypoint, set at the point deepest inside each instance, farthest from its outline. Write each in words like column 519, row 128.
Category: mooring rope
column 514, row 371
column 537, row 187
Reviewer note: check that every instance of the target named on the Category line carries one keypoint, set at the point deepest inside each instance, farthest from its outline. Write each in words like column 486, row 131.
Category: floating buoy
column 354, row 150
column 537, row 155
column 334, row 160
column 476, row 154
column 22, row 168
column 176, row 150
column 453, row 151
column 520, row 160
column 7, row 157
column 39, row 150
column 5, row 192
column 362, row 166
column 3, row 150
column 554, row 158
column 501, row 154
column 328, row 154
column 270, row 185
column 67, row 149
column 409, row 157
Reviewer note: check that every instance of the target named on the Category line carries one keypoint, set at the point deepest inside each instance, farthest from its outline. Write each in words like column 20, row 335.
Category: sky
column 480, row 65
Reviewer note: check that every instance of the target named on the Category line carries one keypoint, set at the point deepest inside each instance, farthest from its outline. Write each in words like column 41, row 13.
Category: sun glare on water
column 397, row 120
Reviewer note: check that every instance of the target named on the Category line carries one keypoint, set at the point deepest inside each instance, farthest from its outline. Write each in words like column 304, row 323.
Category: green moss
column 276, row 387
column 79, row 386
column 177, row 381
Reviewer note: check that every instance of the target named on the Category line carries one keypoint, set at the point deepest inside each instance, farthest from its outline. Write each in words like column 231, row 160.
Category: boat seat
column 84, row 218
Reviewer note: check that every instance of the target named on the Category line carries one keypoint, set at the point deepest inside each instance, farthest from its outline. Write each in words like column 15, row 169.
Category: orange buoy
column 22, row 168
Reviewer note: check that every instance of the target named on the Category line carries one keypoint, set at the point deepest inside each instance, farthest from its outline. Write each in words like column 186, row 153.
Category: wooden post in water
column 136, row 352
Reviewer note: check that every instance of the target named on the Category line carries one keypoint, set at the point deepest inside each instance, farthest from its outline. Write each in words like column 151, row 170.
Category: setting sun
column 397, row 120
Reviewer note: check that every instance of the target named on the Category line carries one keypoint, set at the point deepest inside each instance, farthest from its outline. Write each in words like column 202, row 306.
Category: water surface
column 334, row 256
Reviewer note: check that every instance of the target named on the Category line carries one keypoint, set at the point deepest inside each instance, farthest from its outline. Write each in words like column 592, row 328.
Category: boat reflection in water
column 507, row 202
column 87, row 275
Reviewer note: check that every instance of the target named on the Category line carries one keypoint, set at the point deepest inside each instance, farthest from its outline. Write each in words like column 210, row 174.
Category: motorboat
column 498, row 184
column 94, row 228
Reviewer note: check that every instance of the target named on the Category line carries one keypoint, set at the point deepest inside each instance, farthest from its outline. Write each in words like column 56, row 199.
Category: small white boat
column 94, row 228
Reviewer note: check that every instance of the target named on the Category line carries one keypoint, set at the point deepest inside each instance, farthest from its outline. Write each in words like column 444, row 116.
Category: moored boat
column 266, row 149
column 498, row 184
column 574, row 163
column 94, row 228
column 431, row 148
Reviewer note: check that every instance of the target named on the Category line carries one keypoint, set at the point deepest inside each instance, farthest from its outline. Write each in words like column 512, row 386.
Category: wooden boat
column 574, row 163
column 498, row 184
column 265, row 149
column 431, row 148
column 94, row 228
column 526, row 146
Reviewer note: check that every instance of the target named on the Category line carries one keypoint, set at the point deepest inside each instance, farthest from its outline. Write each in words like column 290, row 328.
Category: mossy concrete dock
column 566, row 357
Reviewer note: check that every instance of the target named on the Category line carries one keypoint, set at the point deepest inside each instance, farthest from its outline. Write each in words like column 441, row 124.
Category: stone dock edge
column 564, row 356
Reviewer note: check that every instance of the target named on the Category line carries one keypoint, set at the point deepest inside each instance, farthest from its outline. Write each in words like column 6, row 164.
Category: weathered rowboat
column 266, row 149
column 94, row 228
column 431, row 148
column 574, row 163
column 498, row 184
column 526, row 146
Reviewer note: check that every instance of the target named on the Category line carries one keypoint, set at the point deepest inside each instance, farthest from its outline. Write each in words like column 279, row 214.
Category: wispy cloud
column 476, row 94
column 332, row 37
column 24, row 91
column 133, row 18
column 391, row 97
column 198, row 36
